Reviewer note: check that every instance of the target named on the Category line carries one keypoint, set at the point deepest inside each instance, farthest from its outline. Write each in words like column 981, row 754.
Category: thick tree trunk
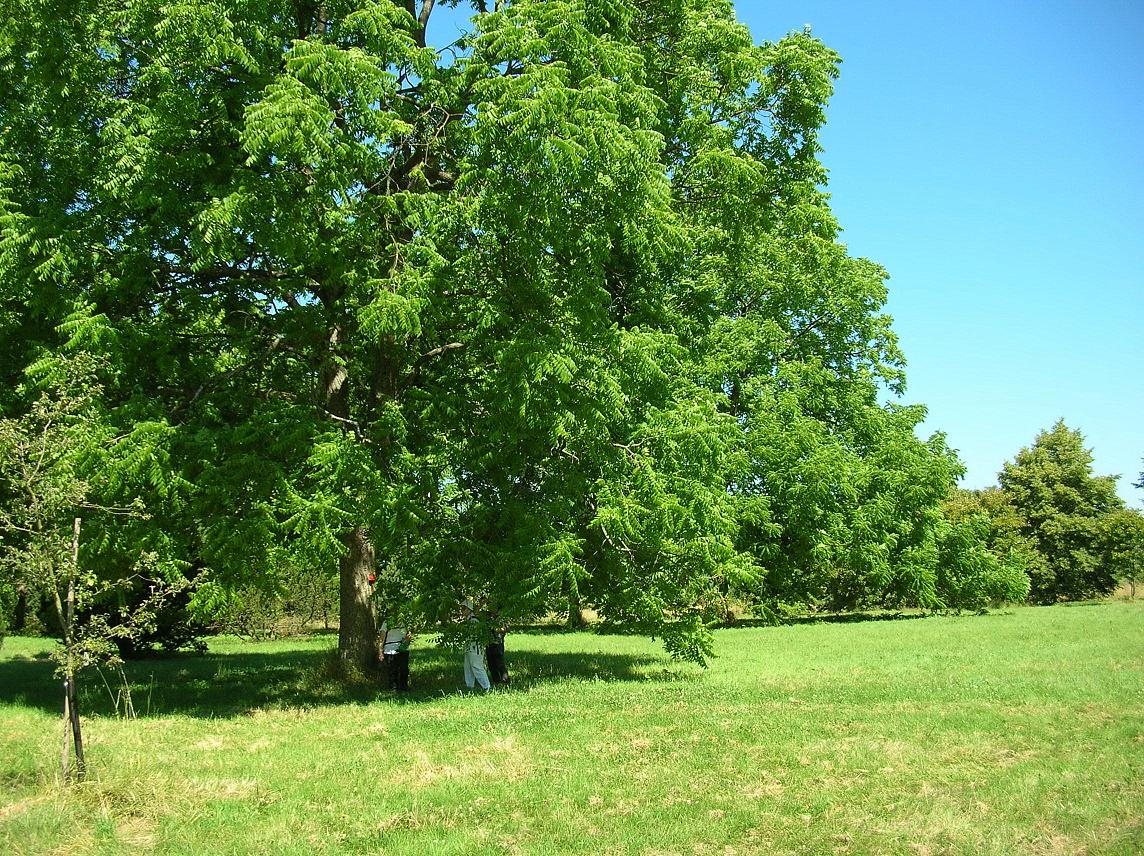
column 357, row 629
column 576, row 619
column 357, row 624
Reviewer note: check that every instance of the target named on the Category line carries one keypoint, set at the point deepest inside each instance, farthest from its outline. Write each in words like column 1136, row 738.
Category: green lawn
column 1020, row 732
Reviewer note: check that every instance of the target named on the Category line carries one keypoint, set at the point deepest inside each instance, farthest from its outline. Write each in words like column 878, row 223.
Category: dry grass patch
column 500, row 759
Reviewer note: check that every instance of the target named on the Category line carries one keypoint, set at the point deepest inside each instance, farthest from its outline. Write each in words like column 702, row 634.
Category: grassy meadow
column 1014, row 732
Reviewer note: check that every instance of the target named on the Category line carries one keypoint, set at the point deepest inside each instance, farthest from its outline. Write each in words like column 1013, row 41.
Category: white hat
column 467, row 604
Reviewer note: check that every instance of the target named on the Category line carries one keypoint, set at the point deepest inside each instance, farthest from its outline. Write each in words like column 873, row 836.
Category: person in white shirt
column 475, row 673
column 395, row 654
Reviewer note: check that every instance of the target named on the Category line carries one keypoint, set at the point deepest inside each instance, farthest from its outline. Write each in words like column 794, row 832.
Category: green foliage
column 8, row 598
column 53, row 461
column 286, row 601
column 557, row 317
column 63, row 460
column 46, row 458
column 980, row 565
column 1123, row 545
column 845, row 515
column 1062, row 506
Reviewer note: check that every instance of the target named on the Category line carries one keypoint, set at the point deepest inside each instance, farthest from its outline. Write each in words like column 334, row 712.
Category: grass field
column 1018, row 732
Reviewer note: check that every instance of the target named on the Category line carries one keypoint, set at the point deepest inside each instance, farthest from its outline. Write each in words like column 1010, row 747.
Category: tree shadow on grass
column 829, row 618
column 222, row 685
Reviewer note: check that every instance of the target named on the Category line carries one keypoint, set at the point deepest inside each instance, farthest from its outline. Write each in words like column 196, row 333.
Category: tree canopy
column 1063, row 509
column 554, row 316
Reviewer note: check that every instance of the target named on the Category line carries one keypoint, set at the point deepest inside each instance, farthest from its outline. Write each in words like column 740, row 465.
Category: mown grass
column 1018, row 732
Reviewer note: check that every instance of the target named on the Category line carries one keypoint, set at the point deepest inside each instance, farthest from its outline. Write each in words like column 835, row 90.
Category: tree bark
column 20, row 615
column 65, row 751
column 357, row 627
column 71, row 715
column 71, row 697
column 576, row 620
column 357, row 624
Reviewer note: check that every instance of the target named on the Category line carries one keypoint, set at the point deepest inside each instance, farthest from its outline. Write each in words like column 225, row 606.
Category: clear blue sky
column 991, row 157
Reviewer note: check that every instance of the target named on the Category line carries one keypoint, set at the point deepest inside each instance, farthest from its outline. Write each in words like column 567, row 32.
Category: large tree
column 1062, row 505
column 524, row 316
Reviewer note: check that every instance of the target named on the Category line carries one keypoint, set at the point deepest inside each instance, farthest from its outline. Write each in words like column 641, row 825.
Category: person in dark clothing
column 494, row 651
column 395, row 653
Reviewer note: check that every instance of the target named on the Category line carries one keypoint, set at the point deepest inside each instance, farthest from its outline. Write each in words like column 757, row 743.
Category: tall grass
column 1020, row 732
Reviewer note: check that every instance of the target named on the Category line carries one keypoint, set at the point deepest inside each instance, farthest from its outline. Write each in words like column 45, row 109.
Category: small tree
column 1124, row 546
column 46, row 457
column 1061, row 504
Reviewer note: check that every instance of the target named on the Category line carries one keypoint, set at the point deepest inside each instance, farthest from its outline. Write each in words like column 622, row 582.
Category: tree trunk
column 71, row 697
column 72, row 730
column 357, row 628
column 20, row 615
column 65, row 751
column 576, row 619
column 357, row 624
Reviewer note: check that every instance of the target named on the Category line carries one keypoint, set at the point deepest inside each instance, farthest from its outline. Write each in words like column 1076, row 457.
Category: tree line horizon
column 556, row 317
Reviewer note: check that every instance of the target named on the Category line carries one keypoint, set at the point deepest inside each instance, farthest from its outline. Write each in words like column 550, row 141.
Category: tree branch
column 423, row 21
column 415, row 369
column 436, row 352
column 351, row 423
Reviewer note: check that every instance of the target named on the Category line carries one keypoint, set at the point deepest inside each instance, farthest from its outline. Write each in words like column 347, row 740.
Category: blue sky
column 991, row 157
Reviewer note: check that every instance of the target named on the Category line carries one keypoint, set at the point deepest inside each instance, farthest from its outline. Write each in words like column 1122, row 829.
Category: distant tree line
column 301, row 316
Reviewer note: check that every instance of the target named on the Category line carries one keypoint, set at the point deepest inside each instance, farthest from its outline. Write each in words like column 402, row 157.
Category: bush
column 970, row 575
column 151, row 613
column 285, row 602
